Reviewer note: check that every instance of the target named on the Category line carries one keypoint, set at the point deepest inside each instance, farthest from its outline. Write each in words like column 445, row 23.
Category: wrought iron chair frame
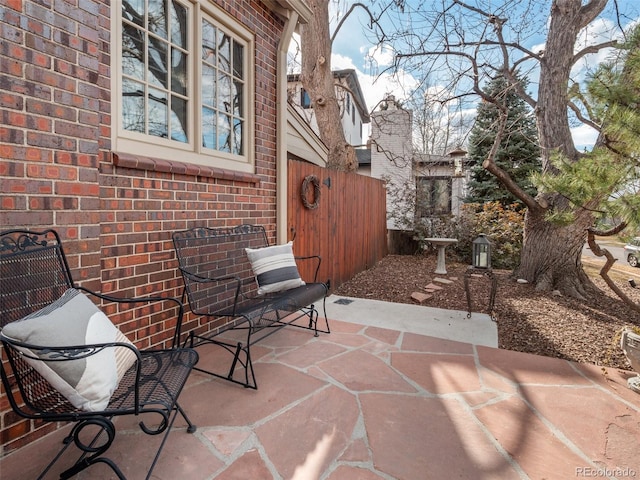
column 34, row 272
column 220, row 286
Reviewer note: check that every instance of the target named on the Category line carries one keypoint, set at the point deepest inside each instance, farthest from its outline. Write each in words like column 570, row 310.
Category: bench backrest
column 33, row 272
column 218, row 253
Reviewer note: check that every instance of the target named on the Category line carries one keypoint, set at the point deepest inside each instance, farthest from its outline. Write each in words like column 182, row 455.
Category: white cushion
column 74, row 319
column 275, row 268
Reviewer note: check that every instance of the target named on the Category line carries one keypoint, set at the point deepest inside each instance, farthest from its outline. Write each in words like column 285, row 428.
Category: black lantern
column 482, row 252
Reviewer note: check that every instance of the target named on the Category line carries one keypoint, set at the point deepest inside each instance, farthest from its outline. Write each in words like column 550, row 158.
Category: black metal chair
column 34, row 275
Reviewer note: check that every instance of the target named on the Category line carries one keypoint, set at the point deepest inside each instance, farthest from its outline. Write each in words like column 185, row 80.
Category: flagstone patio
column 370, row 403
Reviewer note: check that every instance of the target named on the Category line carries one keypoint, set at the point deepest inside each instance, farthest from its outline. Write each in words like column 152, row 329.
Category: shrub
column 503, row 226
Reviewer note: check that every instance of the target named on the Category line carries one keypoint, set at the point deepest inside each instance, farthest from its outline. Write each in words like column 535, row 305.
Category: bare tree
column 317, row 78
column 473, row 42
column 441, row 124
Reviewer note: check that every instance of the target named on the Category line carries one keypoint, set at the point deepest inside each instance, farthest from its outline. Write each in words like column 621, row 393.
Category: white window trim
column 193, row 152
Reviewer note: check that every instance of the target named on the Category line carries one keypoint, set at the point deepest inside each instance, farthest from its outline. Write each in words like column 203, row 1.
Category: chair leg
column 191, row 428
column 91, row 452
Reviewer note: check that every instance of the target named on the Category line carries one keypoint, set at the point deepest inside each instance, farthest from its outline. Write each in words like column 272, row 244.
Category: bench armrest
column 231, row 279
column 315, row 258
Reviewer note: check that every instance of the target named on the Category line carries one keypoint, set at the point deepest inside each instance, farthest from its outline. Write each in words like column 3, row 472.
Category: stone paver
column 371, row 403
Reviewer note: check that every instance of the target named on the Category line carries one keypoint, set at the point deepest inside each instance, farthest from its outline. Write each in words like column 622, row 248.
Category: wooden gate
column 348, row 226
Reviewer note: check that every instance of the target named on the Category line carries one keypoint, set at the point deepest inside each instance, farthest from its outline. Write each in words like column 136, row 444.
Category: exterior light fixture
column 481, row 252
column 480, row 268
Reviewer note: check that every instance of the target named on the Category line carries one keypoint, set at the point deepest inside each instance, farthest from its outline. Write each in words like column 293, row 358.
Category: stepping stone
column 420, row 297
column 442, row 280
column 432, row 287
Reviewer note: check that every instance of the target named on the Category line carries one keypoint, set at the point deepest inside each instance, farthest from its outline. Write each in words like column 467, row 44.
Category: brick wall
column 115, row 213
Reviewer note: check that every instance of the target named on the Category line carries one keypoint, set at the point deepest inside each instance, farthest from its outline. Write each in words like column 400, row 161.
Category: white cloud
column 376, row 87
column 584, row 137
column 379, row 56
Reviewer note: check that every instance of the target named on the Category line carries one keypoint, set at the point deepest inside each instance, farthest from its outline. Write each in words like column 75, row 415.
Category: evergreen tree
column 518, row 154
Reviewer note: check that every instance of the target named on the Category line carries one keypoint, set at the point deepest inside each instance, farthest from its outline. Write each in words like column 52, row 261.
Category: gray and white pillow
column 74, row 319
column 275, row 268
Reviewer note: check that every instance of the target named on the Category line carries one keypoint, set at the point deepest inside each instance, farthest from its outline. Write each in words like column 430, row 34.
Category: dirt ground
column 528, row 321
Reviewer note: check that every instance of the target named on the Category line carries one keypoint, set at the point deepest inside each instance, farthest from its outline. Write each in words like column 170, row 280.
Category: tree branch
column 594, row 49
column 604, row 271
column 574, row 108
column 373, row 20
column 502, row 176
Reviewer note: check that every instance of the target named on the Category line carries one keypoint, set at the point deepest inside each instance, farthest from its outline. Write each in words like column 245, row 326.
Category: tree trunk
column 317, row 80
column 551, row 253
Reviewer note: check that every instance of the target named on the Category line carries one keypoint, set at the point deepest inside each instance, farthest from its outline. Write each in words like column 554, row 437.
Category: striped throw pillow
column 275, row 268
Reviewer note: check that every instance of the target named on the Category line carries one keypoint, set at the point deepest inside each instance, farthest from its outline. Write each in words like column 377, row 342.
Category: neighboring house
column 440, row 180
column 125, row 121
column 302, row 142
column 353, row 108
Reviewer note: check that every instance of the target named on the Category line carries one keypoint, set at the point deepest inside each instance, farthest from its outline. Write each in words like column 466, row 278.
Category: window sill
column 139, row 162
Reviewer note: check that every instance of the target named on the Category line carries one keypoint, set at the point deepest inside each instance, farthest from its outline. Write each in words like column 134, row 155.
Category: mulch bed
column 528, row 321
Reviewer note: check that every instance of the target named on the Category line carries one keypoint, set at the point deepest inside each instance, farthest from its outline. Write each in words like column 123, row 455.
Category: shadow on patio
column 372, row 402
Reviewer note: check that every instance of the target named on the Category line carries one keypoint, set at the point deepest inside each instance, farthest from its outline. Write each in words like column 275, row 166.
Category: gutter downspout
column 281, row 128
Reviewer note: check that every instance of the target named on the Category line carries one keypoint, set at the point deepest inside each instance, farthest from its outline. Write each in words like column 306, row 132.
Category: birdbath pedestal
column 441, row 244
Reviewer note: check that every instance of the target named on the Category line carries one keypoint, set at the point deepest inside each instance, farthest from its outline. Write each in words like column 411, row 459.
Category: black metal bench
column 221, row 288
column 39, row 300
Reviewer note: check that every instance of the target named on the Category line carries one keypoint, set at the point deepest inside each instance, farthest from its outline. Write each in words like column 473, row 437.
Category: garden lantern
column 481, row 268
column 481, row 252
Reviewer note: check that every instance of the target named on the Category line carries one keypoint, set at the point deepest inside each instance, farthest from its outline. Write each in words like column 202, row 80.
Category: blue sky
column 353, row 48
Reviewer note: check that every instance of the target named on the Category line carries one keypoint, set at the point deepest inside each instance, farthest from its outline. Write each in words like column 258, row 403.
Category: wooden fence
column 348, row 227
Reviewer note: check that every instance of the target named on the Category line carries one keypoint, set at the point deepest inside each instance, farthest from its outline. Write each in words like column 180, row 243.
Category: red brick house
column 122, row 122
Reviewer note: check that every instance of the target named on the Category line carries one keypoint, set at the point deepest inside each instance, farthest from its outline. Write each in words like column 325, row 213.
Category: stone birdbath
column 441, row 244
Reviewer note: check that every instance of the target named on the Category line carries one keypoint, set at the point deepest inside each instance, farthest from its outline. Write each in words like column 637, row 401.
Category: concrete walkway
column 478, row 329
column 385, row 399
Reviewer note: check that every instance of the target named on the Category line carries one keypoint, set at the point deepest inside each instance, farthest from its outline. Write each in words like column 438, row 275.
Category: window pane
column 179, row 120
column 238, row 60
column 178, row 72
column 224, row 52
column 178, row 25
column 237, row 99
column 133, row 10
column 208, row 128
column 133, row 118
column 208, row 86
column 305, row 100
column 238, row 136
column 224, row 93
column 158, row 118
column 158, row 64
column 208, row 43
column 433, row 196
column 158, row 18
column 133, row 52
column 224, row 133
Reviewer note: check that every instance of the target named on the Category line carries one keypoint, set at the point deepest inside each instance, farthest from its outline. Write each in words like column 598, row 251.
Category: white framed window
column 305, row 99
column 184, row 77
column 433, row 196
